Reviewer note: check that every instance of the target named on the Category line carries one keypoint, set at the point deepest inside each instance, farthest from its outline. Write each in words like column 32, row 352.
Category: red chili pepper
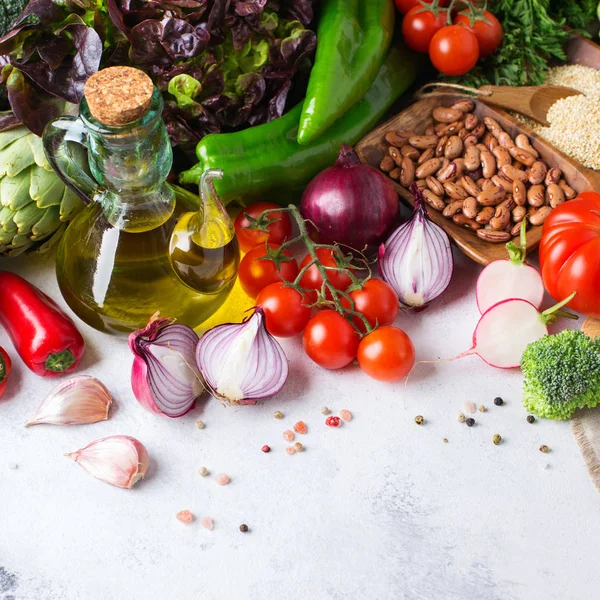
column 43, row 335
column 5, row 367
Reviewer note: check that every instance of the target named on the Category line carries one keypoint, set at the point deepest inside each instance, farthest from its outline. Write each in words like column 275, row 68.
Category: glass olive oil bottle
column 113, row 264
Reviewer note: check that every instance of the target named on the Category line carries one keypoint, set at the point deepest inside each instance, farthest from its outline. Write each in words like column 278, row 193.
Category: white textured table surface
column 378, row 509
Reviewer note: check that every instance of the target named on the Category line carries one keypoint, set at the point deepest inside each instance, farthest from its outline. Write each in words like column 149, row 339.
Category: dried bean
column 472, row 158
column 488, row 164
column 469, row 185
column 465, row 106
column 452, row 208
column 479, row 131
column 521, row 155
column 554, row 195
column 489, row 235
column 398, row 138
column 454, row 148
column 434, row 185
column 491, row 196
column 501, row 181
column 426, row 155
column 553, row 176
column 411, row 152
column 522, row 141
column 470, row 207
column 455, row 191
column 446, row 115
column 430, row 131
column 395, row 154
column 520, row 193
column 485, row 215
column 387, row 164
column 536, row 196
column 433, row 200
column 568, row 191
column 493, row 126
column 502, row 156
column 448, row 172
column 423, row 142
column 439, row 149
column 513, row 174
column 505, row 140
column 453, row 128
column 537, row 172
column 407, row 172
column 464, row 221
column 395, row 173
column 485, row 184
column 540, row 216
column 469, row 141
column 518, row 213
column 429, row 167
column 471, row 121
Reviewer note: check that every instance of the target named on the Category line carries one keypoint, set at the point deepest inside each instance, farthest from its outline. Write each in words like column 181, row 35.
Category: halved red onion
column 417, row 260
column 164, row 377
column 241, row 362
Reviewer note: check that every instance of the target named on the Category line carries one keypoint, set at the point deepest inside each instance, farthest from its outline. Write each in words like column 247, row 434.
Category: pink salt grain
column 290, row 450
column 185, row 516
column 288, row 435
column 208, row 523
column 346, row 415
column 222, row 479
column 300, row 427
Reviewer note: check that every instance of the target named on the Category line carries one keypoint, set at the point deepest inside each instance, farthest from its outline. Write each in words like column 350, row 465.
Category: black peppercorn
column 530, row 419
column 243, row 528
column 470, row 422
column 498, row 401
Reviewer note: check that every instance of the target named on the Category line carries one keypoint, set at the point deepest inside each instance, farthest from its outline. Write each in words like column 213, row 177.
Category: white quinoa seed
column 203, row 471
column 574, row 121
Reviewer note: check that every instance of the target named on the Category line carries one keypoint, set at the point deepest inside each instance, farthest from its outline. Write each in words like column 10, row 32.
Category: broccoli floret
column 562, row 373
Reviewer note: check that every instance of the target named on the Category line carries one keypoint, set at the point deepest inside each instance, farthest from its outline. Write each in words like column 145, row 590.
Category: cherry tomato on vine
column 285, row 313
column 377, row 301
column 419, row 26
column 386, row 354
column 489, row 35
column 330, row 340
column 454, row 50
column 279, row 230
column 256, row 274
column 405, row 5
column 312, row 280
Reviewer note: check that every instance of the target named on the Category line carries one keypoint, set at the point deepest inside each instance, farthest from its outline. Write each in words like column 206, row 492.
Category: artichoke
column 35, row 205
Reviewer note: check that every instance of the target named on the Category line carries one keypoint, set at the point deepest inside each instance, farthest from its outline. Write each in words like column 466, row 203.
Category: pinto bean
column 429, row 167
column 407, row 172
column 426, row 155
column 541, row 215
column 451, row 209
column 454, row 147
column 464, row 221
column 536, row 196
column 423, row 142
column 488, row 164
column 554, row 195
column 469, row 185
column 434, row 185
column 411, row 152
column 502, row 156
column 485, row 215
column 433, row 200
column 568, row 191
column 537, row 172
column 491, row 196
column 470, row 207
column 387, row 164
column 553, row 176
column 447, row 115
column 465, row 106
column 455, row 191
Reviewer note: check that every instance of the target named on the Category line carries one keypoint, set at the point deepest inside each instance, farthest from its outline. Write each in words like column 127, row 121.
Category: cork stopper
column 118, row 95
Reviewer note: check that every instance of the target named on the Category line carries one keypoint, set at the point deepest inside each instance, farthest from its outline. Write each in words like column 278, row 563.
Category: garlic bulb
column 74, row 401
column 119, row 460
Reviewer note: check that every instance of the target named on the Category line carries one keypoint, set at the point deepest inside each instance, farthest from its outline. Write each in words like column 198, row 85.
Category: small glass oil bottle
column 113, row 263
column 204, row 251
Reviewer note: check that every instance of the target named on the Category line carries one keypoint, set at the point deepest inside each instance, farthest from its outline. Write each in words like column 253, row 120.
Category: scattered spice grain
column 461, row 418
column 290, row 450
column 482, row 408
column 222, row 479
column 497, row 438
column 498, row 401
column 199, row 424
column 445, row 440
column 288, row 435
column 208, row 523
column 266, row 448
column 419, row 420
column 203, row 471
column 185, row 516
column 278, row 414
column 346, row 415
column 332, row 421
column 300, row 427
column 298, row 447
column 530, row 419
column 544, row 449
column 470, row 407
column 244, row 528
column 470, row 422
column 325, row 410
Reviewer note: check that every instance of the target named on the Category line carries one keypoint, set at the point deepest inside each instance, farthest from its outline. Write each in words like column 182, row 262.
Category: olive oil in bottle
column 204, row 251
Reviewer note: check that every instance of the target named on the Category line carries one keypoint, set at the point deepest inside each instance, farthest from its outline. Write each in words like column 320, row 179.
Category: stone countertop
column 377, row 509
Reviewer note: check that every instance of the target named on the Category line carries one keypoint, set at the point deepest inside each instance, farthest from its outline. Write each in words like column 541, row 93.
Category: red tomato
column 278, row 231
column 405, row 5
column 454, row 50
column 419, row 26
column 330, row 340
column 386, row 354
column 312, row 280
column 285, row 314
column 256, row 274
column 377, row 301
column 570, row 253
column 489, row 35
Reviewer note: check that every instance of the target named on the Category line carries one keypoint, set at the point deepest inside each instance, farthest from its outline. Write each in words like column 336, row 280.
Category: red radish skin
column 503, row 279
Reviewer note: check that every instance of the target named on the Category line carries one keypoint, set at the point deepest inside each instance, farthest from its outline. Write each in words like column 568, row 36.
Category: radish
column 508, row 327
column 510, row 278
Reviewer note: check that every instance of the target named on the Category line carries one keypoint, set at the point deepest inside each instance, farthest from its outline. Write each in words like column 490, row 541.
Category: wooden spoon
column 531, row 101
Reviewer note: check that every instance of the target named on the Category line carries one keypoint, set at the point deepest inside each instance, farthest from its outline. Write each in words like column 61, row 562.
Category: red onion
column 417, row 258
column 164, row 377
column 242, row 362
column 351, row 203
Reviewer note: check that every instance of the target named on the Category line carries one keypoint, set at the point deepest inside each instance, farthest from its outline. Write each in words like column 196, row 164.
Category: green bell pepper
column 267, row 162
column 354, row 36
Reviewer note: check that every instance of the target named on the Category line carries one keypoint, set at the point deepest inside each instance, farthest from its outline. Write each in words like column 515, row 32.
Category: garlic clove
column 119, row 460
column 74, row 401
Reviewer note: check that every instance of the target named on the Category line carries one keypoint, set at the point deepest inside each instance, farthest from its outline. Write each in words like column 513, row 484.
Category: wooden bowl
column 373, row 147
